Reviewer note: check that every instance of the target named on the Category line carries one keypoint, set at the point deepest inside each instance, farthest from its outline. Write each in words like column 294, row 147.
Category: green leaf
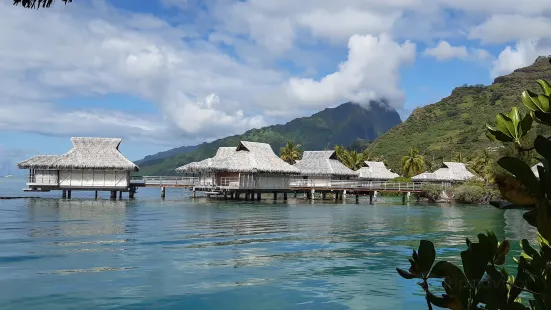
column 528, row 249
column 475, row 259
column 444, row 269
column 427, row 255
column 529, row 99
column 405, row 274
column 525, row 125
column 522, row 172
column 544, row 102
column 497, row 135
column 545, row 87
column 502, row 251
column 505, row 125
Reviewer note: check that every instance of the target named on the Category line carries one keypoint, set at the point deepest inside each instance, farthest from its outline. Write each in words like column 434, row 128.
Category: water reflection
column 177, row 254
column 76, row 217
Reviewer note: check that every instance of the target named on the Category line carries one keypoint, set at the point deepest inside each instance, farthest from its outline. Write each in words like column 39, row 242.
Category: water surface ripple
column 184, row 254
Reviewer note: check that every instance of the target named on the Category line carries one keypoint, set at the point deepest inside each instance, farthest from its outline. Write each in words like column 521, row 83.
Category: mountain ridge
column 341, row 125
column 457, row 123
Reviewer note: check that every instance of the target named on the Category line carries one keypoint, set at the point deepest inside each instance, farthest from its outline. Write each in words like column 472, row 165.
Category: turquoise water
column 197, row 254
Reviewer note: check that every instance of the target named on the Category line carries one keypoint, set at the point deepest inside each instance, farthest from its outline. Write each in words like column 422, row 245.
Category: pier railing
column 244, row 182
column 356, row 184
column 170, row 181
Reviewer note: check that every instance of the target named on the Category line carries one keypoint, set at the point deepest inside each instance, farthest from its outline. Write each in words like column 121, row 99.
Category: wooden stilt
column 323, row 195
column 163, row 192
column 404, row 198
column 357, row 197
column 193, row 192
column 113, row 195
column 371, row 198
column 131, row 193
column 120, row 195
column 64, row 194
column 275, row 196
column 258, row 196
column 69, row 194
column 96, row 195
column 284, row 196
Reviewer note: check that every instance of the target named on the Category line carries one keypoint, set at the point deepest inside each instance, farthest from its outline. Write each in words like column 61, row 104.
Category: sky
column 167, row 73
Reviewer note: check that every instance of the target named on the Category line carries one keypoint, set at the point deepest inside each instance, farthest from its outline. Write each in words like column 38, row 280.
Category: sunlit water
column 197, row 254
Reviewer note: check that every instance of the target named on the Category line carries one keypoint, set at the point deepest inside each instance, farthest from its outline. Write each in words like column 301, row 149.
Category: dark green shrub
column 471, row 194
column 432, row 192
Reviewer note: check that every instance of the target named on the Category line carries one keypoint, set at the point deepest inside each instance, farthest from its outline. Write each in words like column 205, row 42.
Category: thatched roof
column 205, row 164
column 250, row 157
column 450, row 172
column 87, row 153
column 375, row 170
column 322, row 163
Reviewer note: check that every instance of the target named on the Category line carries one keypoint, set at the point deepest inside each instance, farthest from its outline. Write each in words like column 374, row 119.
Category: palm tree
column 352, row 160
column 290, row 153
column 340, row 151
column 413, row 163
column 31, row 4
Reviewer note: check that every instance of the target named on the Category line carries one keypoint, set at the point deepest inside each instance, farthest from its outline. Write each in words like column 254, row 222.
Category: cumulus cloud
column 233, row 65
column 511, row 27
column 444, row 51
column 521, row 55
column 370, row 72
column 65, row 54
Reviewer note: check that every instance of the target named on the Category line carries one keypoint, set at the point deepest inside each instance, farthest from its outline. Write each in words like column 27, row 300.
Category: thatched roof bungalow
column 322, row 164
column 376, row 171
column 91, row 163
column 451, row 172
column 250, row 165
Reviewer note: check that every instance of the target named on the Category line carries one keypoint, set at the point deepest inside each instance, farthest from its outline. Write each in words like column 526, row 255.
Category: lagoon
column 184, row 253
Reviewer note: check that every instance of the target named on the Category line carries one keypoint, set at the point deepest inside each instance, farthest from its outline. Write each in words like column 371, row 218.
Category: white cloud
column 340, row 25
column 523, row 54
column 511, row 27
column 218, row 70
column 444, row 51
column 370, row 72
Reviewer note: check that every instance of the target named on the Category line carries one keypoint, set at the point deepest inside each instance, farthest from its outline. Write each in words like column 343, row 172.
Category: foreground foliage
column 483, row 283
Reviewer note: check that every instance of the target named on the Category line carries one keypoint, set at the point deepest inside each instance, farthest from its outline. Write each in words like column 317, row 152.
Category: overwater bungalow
column 249, row 166
column 321, row 167
column 92, row 164
column 451, row 172
column 376, row 171
column 202, row 169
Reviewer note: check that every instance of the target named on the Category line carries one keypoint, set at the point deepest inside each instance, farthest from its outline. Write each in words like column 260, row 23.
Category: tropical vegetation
column 412, row 163
column 483, row 282
column 457, row 123
column 290, row 153
column 348, row 125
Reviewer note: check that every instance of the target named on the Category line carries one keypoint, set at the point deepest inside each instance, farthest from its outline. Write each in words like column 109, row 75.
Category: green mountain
column 457, row 123
column 347, row 124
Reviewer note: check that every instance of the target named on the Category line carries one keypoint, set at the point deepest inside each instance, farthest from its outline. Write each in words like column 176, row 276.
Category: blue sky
column 166, row 73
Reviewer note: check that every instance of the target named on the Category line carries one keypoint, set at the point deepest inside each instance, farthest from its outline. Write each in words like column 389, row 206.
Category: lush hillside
column 159, row 157
column 346, row 124
column 457, row 123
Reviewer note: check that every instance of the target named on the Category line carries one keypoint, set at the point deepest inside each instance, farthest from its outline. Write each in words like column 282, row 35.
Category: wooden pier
column 236, row 189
